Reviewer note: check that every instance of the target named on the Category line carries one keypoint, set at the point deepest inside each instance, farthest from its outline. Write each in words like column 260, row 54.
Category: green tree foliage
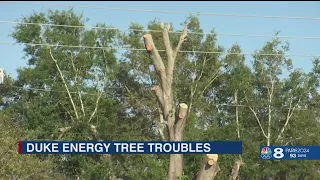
column 15, row 166
column 110, row 98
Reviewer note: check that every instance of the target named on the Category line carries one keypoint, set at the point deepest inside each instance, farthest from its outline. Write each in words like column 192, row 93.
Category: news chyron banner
column 59, row 147
column 289, row 152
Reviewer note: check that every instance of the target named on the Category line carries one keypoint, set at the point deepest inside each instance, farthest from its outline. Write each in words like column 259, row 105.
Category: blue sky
column 11, row 55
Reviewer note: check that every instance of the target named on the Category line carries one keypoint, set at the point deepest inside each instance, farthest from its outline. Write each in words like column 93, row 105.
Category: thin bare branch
column 203, row 65
column 181, row 40
column 289, row 115
column 65, row 84
column 256, row 116
column 96, row 107
column 214, row 77
column 76, row 83
column 237, row 113
column 100, row 94
column 71, row 117
column 81, row 102
column 270, row 111
column 170, row 53
column 125, row 86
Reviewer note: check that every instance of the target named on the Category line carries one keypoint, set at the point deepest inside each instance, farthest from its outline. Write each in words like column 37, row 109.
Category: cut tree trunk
column 209, row 168
column 164, row 94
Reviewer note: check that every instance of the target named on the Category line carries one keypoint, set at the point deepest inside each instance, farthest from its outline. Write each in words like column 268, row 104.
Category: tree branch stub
column 165, row 34
column 207, row 172
column 179, row 127
column 183, row 110
column 212, row 159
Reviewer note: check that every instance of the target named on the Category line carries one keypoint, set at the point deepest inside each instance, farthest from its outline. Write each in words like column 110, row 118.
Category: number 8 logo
column 278, row 153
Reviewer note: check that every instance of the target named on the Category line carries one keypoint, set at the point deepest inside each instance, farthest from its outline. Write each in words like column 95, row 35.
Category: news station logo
column 266, row 153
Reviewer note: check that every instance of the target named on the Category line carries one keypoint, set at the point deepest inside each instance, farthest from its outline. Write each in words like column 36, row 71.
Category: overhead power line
column 136, row 49
column 103, row 134
column 165, row 12
column 96, row 94
column 174, row 32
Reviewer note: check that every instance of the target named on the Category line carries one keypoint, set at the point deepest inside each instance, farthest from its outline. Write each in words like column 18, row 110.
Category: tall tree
column 77, row 86
column 68, row 91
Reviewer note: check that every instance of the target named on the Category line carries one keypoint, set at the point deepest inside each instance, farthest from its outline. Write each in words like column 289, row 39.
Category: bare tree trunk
column 164, row 93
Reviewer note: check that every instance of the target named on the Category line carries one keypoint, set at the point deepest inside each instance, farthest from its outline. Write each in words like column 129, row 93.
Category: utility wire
column 96, row 94
column 165, row 12
column 173, row 32
column 113, row 134
column 136, row 49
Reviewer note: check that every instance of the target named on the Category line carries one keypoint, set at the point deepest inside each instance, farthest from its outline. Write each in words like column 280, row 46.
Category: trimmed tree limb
column 179, row 127
column 155, row 57
column 212, row 159
column 165, row 29
column 183, row 110
column 207, row 171
column 65, row 84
